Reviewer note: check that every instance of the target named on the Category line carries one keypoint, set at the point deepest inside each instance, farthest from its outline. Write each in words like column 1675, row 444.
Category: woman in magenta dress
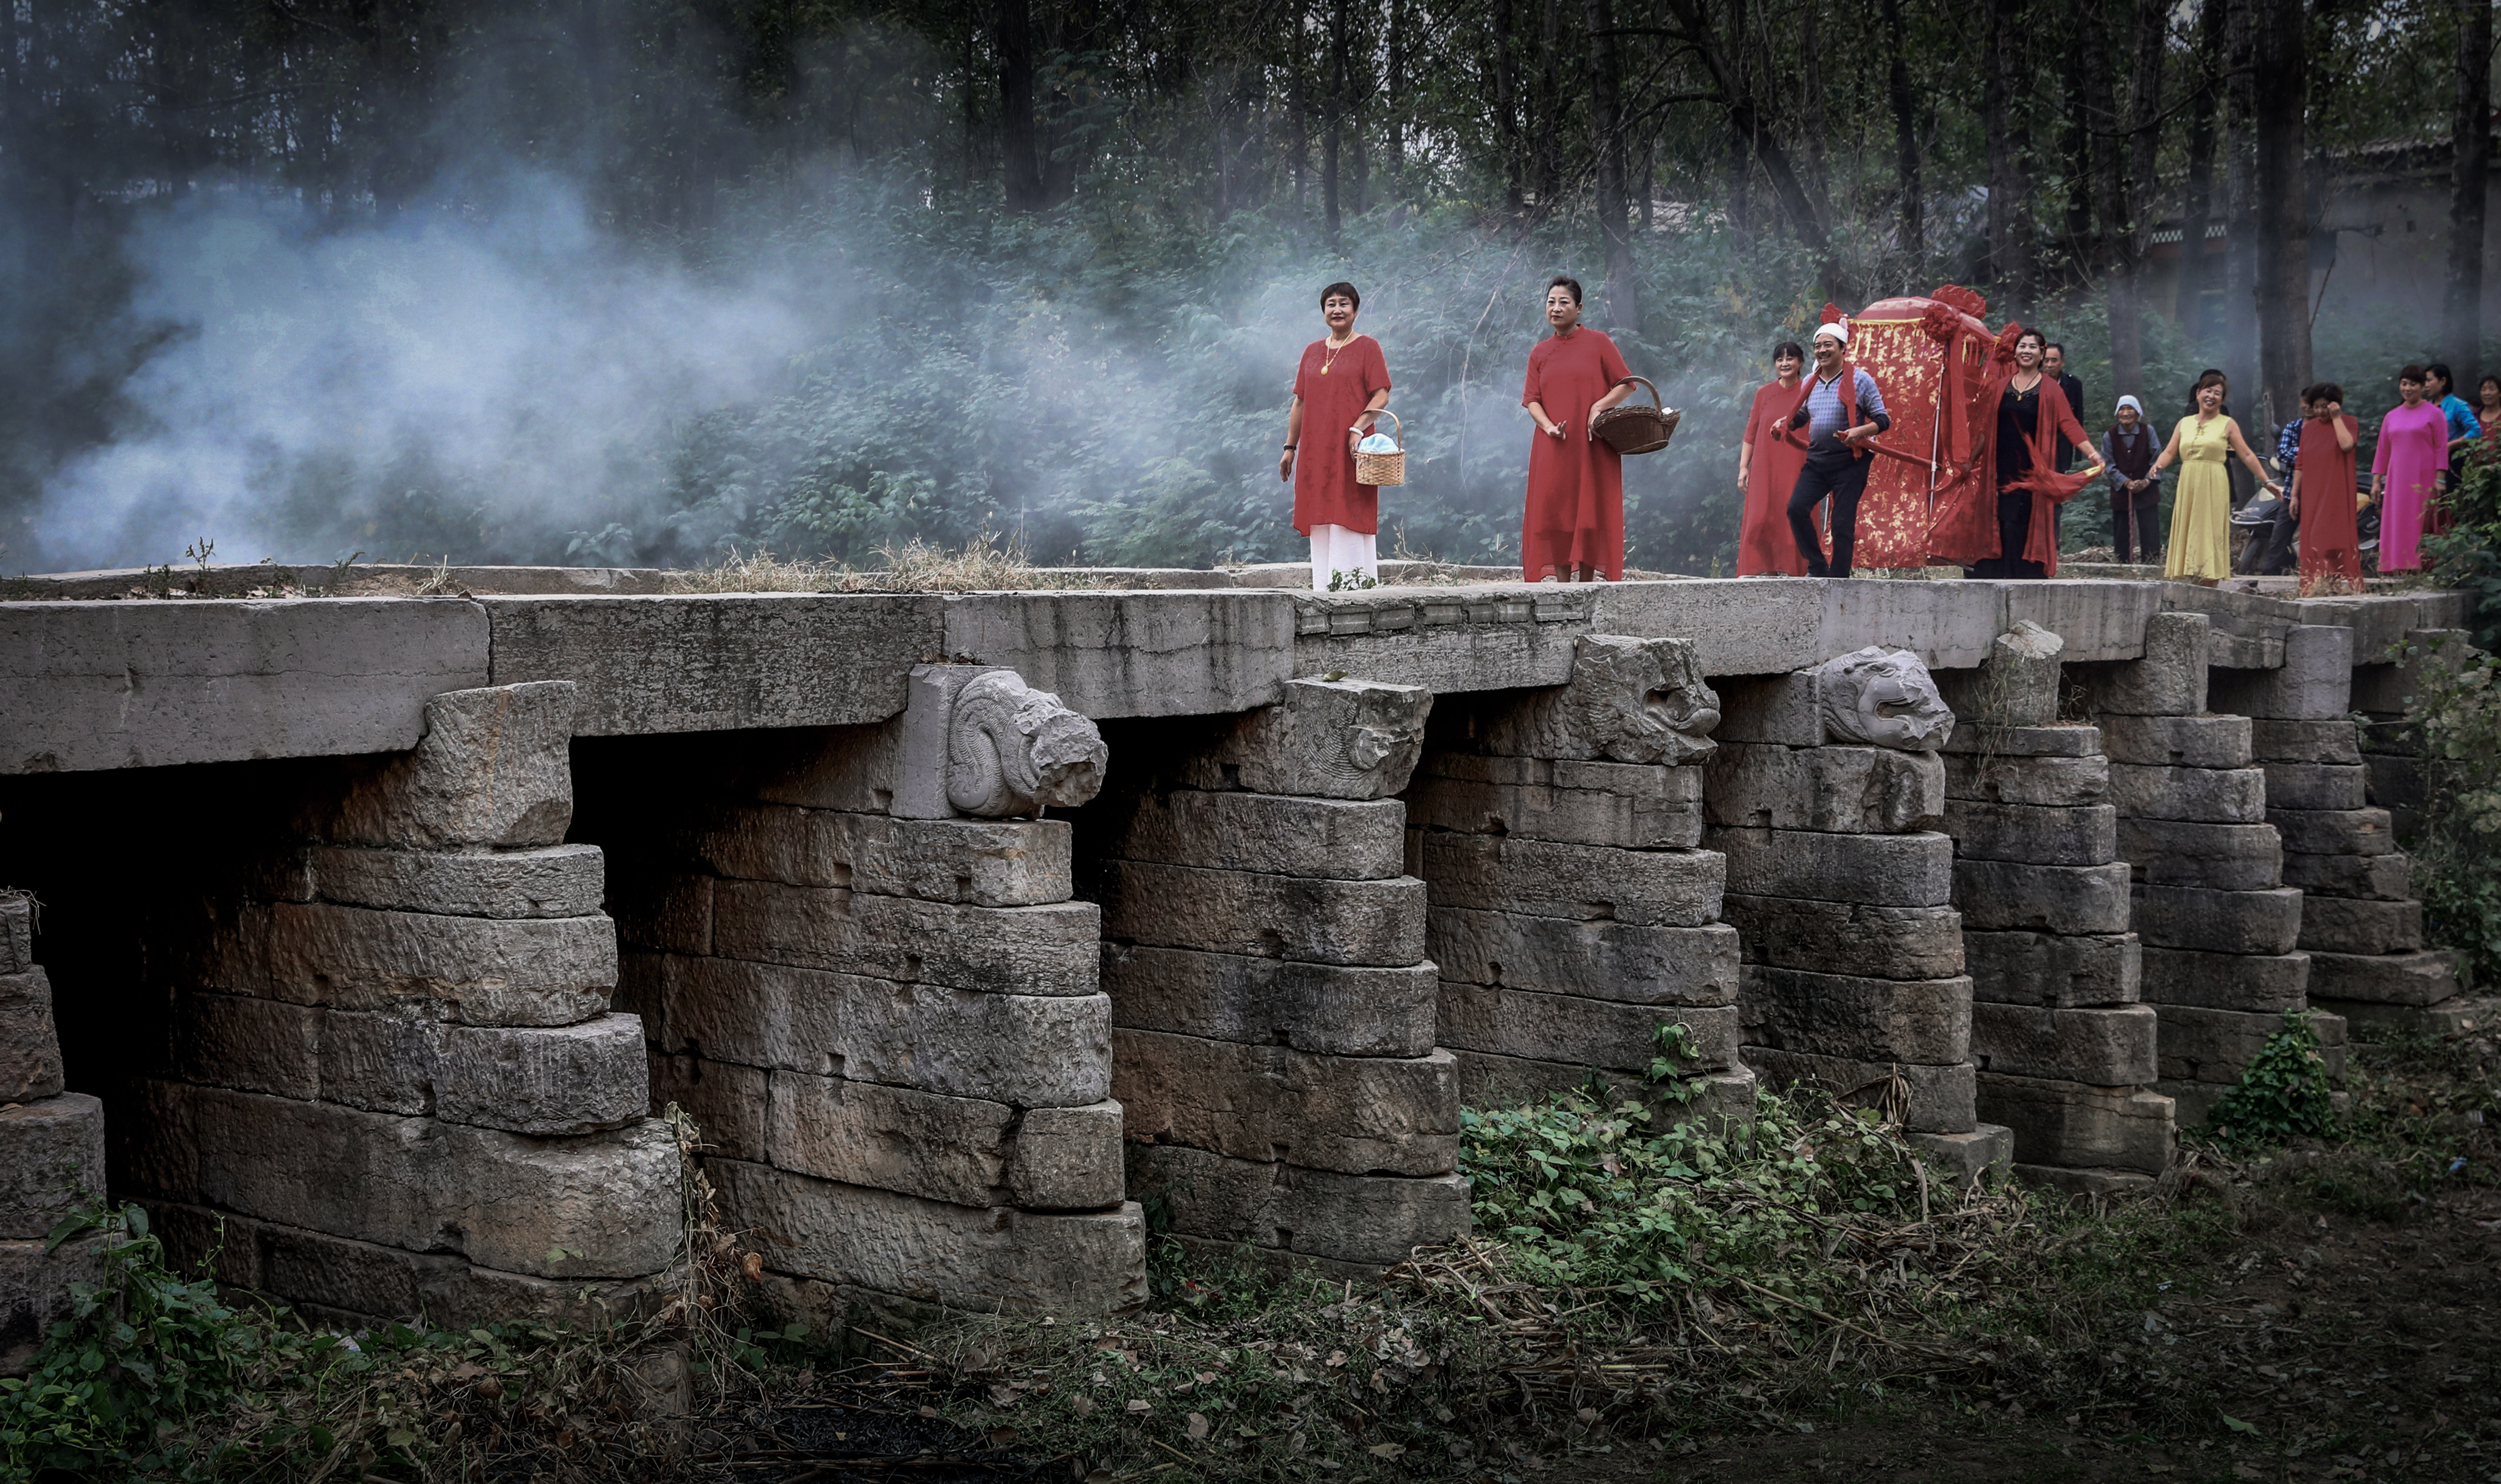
column 2405, row 468
column 1767, row 470
column 1340, row 388
column 1573, row 528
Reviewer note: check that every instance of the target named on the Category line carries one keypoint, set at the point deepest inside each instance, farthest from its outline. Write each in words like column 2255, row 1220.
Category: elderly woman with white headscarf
column 2128, row 448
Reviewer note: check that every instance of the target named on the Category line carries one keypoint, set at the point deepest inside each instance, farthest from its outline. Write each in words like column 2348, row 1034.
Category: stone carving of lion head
column 1883, row 698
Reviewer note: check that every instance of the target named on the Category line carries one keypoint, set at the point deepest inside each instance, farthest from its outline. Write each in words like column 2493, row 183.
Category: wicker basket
column 1384, row 468
column 1633, row 428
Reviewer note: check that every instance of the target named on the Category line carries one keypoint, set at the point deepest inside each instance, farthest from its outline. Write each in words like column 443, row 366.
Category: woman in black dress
column 2019, row 418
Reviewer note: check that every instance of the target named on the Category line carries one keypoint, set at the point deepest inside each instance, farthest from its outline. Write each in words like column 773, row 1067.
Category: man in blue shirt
column 1839, row 423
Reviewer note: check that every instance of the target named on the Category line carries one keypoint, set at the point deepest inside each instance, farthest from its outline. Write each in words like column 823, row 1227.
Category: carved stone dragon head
column 1013, row 749
column 1883, row 698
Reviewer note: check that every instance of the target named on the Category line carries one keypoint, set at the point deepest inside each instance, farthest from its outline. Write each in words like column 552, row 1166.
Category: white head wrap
column 1838, row 329
column 2124, row 403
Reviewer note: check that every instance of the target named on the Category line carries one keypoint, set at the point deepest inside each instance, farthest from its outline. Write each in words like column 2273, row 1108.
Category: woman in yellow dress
column 2201, row 509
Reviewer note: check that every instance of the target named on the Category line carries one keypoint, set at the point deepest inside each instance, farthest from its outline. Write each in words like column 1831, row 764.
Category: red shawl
column 1964, row 532
column 1796, row 427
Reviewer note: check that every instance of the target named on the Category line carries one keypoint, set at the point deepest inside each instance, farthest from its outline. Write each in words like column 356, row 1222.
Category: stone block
column 1135, row 652
column 1271, row 833
column 2193, row 1102
column 2317, row 786
column 2331, row 741
column 2175, row 976
column 1995, row 895
column 1376, row 1221
column 1541, row 878
column 1932, row 1099
column 1635, row 806
column 2315, row 681
column 1271, row 917
column 2075, row 1124
column 2214, row 795
column 2379, row 878
column 2036, row 834
column 2015, row 686
column 2345, row 925
column 554, row 1080
column 2392, row 780
column 1714, row 1100
column 122, row 685
column 1986, row 1155
column 493, row 769
column 2057, row 739
column 1850, row 789
column 2169, row 680
column 1886, row 942
column 2182, row 852
column 51, row 1161
column 1445, row 639
column 2099, row 619
column 1945, row 623
column 1774, row 709
column 505, row 1201
column 2058, row 970
column 1325, row 739
column 1904, row 870
column 1027, row 1050
column 17, row 933
column 1740, row 625
column 1594, row 1032
column 2212, row 922
column 549, row 881
column 1601, row 958
column 974, row 862
column 963, row 1256
column 732, row 1105
column 479, row 971
column 2208, row 1045
column 2459, row 1015
column 30, row 1046
column 2424, row 978
column 2000, row 778
column 2086, row 1184
column 1629, row 701
column 35, row 1293
column 661, row 912
column 2384, row 684
column 1051, row 949
column 2104, row 1047
column 1326, row 1008
column 1845, row 1014
column 2334, row 832
column 1359, row 1115
column 967, row 1151
column 2179, row 741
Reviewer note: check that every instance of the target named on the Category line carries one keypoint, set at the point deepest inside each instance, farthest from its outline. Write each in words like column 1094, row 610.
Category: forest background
column 649, row 281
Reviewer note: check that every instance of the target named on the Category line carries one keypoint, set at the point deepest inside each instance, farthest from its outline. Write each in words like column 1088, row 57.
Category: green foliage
column 2455, row 715
column 2283, row 1094
column 1603, row 1197
column 2468, row 556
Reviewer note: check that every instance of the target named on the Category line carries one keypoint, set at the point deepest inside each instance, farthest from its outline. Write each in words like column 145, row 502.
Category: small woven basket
column 1384, row 468
column 1633, row 428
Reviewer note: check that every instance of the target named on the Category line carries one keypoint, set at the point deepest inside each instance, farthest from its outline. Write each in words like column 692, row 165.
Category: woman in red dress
column 2324, row 495
column 1767, row 470
column 1338, row 390
column 1574, row 531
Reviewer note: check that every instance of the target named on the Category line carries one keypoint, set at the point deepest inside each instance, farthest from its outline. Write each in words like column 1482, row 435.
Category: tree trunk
column 2240, row 349
column 1334, row 122
column 2010, row 189
column 1607, row 145
column 1506, row 98
column 1906, row 134
column 2284, row 206
column 1811, row 94
column 1299, row 107
column 2469, row 174
column 1020, row 172
column 2198, row 205
column 1394, row 85
column 1550, row 109
column 2132, row 188
column 1741, row 151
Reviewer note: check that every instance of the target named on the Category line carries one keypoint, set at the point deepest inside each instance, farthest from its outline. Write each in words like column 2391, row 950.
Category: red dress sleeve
column 1376, row 368
column 1303, row 370
column 1531, row 390
column 1611, row 361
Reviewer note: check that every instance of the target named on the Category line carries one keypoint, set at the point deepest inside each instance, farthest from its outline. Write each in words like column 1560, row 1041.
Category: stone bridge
column 371, row 932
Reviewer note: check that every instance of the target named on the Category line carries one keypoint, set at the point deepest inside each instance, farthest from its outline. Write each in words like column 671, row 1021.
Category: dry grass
column 984, row 565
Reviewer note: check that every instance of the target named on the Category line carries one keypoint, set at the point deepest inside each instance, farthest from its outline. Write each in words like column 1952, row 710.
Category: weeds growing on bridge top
column 986, row 564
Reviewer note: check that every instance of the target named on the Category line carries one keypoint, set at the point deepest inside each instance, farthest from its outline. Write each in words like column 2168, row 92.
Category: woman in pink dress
column 1767, row 470
column 2404, row 470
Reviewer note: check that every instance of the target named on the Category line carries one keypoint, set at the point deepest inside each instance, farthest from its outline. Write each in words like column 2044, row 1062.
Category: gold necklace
column 1335, row 352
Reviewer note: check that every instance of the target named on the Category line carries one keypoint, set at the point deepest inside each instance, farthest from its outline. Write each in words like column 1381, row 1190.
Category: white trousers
column 1336, row 549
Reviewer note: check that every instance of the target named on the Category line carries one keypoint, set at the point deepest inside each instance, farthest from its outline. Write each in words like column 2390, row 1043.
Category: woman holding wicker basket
column 1339, row 390
column 1574, row 528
